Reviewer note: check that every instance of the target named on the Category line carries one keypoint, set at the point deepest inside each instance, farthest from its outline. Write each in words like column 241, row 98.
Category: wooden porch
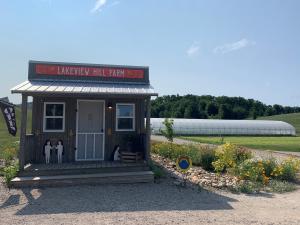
column 82, row 165
column 82, row 168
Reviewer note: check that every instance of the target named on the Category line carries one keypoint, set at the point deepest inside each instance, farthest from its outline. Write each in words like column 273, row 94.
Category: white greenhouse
column 225, row 127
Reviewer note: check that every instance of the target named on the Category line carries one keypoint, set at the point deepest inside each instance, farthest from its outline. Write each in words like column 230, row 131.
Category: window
column 54, row 117
column 125, row 117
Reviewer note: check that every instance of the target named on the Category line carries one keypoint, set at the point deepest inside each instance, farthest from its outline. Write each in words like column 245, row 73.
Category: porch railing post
column 23, row 132
column 148, row 128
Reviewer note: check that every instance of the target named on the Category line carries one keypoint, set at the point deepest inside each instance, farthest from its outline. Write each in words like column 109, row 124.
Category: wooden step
column 74, row 171
column 77, row 179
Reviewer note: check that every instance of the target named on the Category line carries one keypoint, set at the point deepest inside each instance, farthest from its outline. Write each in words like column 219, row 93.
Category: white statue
column 117, row 154
column 60, row 149
column 47, row 151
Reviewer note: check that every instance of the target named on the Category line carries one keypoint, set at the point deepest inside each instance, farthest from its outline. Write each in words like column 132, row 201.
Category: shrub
column 242, row 154
column 287, row 170
column 226, row 157
column 8, row 154
column 280, row 186
column 229, row 156
column 252, row 170
column 173, row 151
column 166, row 150
column 201, row 156
column 10, row 172
column 195, row 154
column 158, row 172
column 263, row 170
column 249, row 187
column 269, row 166
column 207, row 158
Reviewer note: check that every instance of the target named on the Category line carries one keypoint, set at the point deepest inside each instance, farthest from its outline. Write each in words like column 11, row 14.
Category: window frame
column 58, row 117
column 129, row 117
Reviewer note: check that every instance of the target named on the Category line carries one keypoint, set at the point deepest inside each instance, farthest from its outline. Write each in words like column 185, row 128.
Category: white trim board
column 62, row 117
column 129, row 117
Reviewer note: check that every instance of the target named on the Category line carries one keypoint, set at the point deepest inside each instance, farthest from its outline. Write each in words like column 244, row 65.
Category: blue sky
column 246, row 48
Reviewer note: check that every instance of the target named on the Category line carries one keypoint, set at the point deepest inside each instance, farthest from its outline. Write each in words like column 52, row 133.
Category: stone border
column 196, row 176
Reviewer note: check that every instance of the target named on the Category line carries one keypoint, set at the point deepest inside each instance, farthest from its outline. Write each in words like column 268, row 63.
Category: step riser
column 82, row 171
column 86, row 181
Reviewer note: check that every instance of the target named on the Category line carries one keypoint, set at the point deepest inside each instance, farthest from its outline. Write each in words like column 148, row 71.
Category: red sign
column 84, row 71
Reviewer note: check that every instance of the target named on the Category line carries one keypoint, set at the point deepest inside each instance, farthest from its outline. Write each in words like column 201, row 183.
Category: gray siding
column 112, row 137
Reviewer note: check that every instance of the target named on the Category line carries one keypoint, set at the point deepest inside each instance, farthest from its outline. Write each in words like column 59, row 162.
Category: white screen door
column 90, row 130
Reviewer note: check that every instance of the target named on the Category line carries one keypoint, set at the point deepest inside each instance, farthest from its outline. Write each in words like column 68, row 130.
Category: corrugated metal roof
column 65, row 87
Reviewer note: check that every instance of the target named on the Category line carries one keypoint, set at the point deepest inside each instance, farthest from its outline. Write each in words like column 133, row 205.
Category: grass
column 158, row 171
column 264, row 143
column 291, row 118
column 274, row 186
column 280, row 186
column 291, row 144
column 10, row 172
column 7, row 140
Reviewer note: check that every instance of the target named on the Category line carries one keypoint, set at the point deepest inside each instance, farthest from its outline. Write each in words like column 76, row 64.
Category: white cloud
column 243, row 43
column 114, row 3
column 98, row 6
column 193, row 50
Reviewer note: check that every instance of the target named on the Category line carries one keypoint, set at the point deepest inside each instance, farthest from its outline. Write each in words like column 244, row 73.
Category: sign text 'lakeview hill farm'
column 84, row 71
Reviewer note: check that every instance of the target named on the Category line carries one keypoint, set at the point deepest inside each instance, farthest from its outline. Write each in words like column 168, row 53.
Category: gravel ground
column 162, row 203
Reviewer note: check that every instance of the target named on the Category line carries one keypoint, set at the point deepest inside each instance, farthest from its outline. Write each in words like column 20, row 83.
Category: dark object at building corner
column 9, row 113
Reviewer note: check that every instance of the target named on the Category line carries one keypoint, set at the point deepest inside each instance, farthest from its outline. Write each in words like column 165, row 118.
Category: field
column 292, row 118
column 265, row 143
column 5, row 138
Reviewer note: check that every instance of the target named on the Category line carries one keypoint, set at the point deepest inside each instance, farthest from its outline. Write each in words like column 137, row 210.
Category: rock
column 195, row 179
column 196, row 175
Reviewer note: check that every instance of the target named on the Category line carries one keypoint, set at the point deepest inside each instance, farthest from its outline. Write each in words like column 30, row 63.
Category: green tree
column 278, row 109
column 225, row 112
column 212, row 109
column 207, row 106
column 168, row 132
column 269, row 111
column 239, row 113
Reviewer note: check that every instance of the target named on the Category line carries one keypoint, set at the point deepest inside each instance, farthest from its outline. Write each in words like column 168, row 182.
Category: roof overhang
column 85, row 88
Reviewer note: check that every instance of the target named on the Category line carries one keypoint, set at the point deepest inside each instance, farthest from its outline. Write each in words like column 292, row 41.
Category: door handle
column 102, row 130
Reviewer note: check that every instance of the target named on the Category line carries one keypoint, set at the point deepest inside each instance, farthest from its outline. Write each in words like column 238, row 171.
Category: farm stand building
column 92, row 109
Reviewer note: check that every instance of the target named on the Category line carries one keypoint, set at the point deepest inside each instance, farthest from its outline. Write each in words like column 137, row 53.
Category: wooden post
column 23, row 133
column 148, row 128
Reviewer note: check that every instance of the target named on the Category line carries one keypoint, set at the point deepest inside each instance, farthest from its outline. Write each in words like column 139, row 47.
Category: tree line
column 211, row 107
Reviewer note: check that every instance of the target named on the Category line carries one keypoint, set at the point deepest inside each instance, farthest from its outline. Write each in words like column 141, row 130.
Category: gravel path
column 162, row 203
